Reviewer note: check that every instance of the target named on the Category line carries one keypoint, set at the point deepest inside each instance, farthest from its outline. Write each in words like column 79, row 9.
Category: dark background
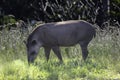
column 93, row 11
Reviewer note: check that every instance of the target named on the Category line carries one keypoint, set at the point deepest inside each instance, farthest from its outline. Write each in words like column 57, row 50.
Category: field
column 103, row 62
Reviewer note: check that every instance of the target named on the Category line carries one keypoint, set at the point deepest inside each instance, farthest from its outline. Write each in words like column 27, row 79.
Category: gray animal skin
column 56, row 34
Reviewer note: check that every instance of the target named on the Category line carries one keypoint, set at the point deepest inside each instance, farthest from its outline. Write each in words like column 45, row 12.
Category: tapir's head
column 32, row 48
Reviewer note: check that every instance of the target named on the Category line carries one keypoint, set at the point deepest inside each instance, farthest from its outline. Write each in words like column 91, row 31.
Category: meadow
column 103, row 62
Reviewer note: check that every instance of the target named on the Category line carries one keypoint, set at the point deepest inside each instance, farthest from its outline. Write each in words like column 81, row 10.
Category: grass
column 103, row 62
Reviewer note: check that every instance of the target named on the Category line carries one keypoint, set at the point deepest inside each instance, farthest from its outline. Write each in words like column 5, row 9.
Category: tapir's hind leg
column 56, row 50
column 47, row 52
column 84, row 49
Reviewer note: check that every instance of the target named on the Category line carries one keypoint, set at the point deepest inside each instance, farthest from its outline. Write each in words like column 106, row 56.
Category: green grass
column 103, row 62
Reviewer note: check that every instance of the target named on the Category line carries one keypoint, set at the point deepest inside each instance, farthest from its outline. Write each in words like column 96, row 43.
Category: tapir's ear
column 25, row 42
column 34, row 42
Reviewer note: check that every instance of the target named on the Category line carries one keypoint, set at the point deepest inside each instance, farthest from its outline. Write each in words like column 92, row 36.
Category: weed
column 102, row 63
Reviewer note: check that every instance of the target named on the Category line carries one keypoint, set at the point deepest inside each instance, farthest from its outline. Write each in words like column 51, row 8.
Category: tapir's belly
column 63, row 43
column 62, row 39
column 68, row 41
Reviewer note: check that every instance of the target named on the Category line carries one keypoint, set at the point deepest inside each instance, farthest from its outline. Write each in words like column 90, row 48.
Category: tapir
column 52, row 36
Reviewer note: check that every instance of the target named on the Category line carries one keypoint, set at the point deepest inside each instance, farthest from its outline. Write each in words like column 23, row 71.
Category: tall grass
column 103, row 61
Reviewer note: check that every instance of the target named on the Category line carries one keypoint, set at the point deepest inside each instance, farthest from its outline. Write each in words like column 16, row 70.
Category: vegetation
column 103, row 62
column 115, row 9
column 58, row 10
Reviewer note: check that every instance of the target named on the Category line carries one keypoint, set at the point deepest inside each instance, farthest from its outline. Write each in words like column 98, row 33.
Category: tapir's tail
column 94, row 34
column 95, row 28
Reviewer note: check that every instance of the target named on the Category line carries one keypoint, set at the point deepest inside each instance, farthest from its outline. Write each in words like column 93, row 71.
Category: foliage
column 115, row 9
column 7, row 19
column 59, row 10
column 103, row 62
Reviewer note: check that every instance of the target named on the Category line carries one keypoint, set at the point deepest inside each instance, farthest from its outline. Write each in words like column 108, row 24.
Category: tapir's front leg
column 57, row 52
column 47, row 52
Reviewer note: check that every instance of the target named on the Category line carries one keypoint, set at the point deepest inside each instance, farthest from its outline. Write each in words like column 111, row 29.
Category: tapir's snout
column 31, row 57
column 30, row 60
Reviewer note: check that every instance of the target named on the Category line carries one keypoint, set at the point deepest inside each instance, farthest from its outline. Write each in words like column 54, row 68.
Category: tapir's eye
column 34, row 42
